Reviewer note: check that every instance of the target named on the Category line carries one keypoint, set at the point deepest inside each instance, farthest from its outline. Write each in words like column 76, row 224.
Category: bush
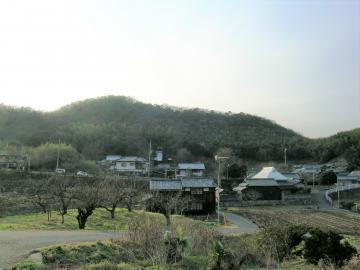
column 176, row 244
column 28, row 265
column 319, row 245
column 279, row 240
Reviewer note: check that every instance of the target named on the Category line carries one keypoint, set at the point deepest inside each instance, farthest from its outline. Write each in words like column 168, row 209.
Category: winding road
column 15, row 245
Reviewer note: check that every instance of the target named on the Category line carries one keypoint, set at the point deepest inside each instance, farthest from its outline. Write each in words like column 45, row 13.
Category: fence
column 339, row 189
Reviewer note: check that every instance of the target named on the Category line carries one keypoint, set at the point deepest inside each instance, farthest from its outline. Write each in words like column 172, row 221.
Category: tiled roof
column 200, row 182
column 270, row 173
column 178, row 184
column 191, row 166
column 165, row 184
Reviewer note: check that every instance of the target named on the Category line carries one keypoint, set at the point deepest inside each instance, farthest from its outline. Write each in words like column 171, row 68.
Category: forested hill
column 114, row 124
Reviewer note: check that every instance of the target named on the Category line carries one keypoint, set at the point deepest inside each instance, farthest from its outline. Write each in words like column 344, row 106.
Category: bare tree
column 112, row 192
column 133, row 192
column 88, row 197
column 168, row 203
column 62, row 189
column 40, row 195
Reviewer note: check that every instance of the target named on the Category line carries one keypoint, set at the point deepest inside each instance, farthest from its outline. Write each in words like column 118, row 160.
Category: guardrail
column 339, row 188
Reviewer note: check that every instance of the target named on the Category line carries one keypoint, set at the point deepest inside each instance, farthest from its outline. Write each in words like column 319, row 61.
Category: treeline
column 114, row 124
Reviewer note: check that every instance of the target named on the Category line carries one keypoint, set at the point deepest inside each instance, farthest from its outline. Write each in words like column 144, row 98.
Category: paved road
column 243, row 225
column 15, row 245
column 319, row 199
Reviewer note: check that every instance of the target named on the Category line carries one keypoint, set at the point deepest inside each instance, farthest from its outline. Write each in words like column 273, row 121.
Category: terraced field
column 325, row 220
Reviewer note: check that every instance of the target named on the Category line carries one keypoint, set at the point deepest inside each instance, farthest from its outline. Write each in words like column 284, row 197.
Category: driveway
column 15, row 245
column 242, row 225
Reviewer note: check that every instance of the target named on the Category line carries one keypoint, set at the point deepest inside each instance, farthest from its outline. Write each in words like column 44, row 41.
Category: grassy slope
column 100, row 220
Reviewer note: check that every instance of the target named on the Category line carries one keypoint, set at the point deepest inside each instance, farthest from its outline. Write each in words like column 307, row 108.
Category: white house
column 190, row 169
column 131, row 165
column 351, row 178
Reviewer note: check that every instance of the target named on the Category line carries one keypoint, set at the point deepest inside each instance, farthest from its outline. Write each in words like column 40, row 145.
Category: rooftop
column 191, row 166
column 269, row 173
column 178, row 184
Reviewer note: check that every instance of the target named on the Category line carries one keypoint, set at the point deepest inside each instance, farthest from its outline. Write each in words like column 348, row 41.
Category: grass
column 337, row 222
column 99, row 220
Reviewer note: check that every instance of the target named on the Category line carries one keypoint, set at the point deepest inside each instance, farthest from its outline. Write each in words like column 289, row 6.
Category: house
column 310, row 169
column 190, row 170
column 268, row 184
column 349, row 179
column 199, row 191
column 131, row 165
column 17, row 162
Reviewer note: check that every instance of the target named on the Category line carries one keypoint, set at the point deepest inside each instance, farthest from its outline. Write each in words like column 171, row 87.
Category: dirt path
column 15, row 245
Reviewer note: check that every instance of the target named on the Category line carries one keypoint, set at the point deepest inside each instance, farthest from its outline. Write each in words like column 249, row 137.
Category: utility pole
column 285, row 150
column 338, row 193
column 217, row 158
column 149, row 172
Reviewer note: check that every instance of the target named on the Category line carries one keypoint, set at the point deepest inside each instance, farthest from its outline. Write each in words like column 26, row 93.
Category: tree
column 133, row 192
column 113, row 193
column 168, row 203
column 88, row 197
column 61, row 189
column 40, row 194
column 237, row 171
column 327, row 178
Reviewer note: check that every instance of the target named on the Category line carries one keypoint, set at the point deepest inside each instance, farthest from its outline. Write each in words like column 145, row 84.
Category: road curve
column 243, row 224
column 15, row 245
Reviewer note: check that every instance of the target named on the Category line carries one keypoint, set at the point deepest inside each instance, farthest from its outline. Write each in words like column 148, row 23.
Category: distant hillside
column 114, row 124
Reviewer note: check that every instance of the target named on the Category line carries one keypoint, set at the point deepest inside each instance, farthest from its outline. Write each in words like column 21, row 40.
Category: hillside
column 116, row 124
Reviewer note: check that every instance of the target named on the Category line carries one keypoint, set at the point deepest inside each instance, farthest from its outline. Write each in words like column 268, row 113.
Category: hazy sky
column 295, row 62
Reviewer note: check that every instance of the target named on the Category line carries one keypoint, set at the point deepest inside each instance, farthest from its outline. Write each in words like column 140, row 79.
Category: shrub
column 176, row 244
column 326, row 246
column 221, row 258
column 28, row 265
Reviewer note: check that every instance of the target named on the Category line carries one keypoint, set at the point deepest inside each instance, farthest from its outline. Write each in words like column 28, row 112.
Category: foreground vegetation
column 324, row 220
column 190, row 244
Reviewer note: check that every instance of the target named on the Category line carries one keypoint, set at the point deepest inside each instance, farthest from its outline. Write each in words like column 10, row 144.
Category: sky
column 296, row 62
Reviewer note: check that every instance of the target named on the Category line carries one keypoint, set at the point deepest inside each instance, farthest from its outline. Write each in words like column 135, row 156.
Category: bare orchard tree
column 39, row 193
column 62, row 190
column 134, row 191
column 87, row 195
column 168, row 203
column 112, row 192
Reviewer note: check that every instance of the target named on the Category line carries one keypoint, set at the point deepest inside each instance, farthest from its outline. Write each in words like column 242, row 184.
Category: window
column 132, row 163
column 196, row 206
column 206, row 189
column 196, row 191
column 123, row 164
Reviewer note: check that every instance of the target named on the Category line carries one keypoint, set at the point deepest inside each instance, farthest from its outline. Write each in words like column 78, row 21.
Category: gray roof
column 191, row 166
column 165, row 184
column 197, row 182
column 112, row 157
column 178, row 184
column 131, row 159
